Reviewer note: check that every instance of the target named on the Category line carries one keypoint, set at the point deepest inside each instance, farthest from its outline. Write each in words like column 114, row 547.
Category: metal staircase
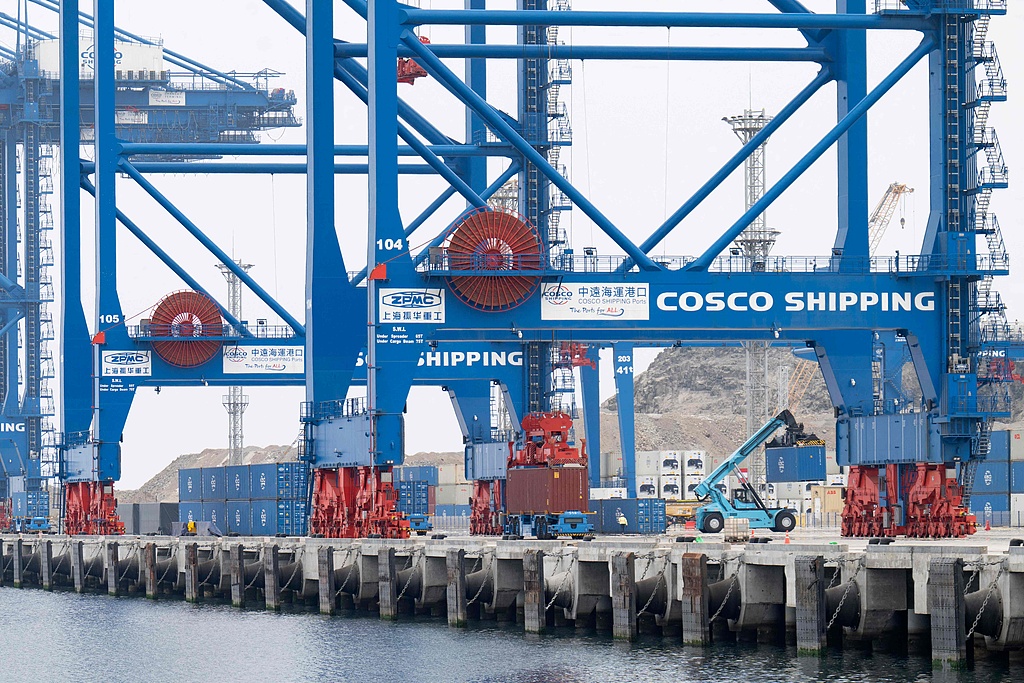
column 969, row 470
column 559, row 135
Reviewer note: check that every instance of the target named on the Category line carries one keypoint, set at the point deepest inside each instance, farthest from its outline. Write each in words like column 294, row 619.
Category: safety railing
column 941, row 6
column 972, row 405
column 450, row 523
column 441, row 262
column 160, row 331
column 1010, row 333
column 325, row 410
column 72, row 439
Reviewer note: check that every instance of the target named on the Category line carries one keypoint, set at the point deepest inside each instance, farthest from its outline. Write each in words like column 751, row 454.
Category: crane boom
column 884, row 210
column 707, row 486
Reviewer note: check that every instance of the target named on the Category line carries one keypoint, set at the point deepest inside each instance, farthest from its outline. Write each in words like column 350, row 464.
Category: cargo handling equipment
column 488, row 279
column 745, row 502
column 545, row 477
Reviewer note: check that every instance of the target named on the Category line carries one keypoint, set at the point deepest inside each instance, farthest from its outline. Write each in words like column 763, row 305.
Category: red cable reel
column 494, row 240
column 190, row 317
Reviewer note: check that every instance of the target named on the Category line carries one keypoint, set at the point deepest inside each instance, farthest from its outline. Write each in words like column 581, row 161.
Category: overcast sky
column 645, row 136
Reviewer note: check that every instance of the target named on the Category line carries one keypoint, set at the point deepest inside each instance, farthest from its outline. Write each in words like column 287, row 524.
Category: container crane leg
column 355, row 502
column 92, row 509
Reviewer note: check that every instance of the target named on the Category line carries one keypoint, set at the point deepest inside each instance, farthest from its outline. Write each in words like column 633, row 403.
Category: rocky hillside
column 692, row 398
column 164, row 486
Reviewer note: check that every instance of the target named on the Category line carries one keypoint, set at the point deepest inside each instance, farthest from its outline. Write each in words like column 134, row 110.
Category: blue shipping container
column 1016, row 477
column 279, row 480
column 264, row 517
column 1000, row 445
column 795, row 463
column 992, row 478
column 239, row 517
column 452, row 510
column 216, row 512
column 271, row 517
column 215, row 487
column 994, row 504
column 643, row 516
column 237, row 479
column 190, row 511
column 190, row 484
column 263, row 482
column 424, row 473
column 19, row 505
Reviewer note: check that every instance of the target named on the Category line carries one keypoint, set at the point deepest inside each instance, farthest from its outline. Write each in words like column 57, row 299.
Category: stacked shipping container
column 643, row 515
column 148, row 518
column 993, row 480
column 414, row 498
column 447, row 491
column 256, row 500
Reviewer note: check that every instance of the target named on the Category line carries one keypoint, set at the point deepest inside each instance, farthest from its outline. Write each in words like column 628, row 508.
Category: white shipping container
column 611, row 464
column 453, row 494
column 607, row 493
column 1016, row 509
column 134, row 57
column 670, row 463
column 671, row 487
column 694, row 461
column 646, row 487
column 648, row 463
column 1016, row 444
column 831, row 464
column 836, row 480
column 451, row 474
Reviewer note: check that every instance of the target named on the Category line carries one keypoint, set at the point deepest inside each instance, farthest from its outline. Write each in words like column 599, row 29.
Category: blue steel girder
column 622, row 359
column 393, row 348
column 850, row 133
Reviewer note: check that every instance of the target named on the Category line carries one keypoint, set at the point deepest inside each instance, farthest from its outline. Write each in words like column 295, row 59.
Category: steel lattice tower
column 757, row 240
column 753, row 244
column 235, row 401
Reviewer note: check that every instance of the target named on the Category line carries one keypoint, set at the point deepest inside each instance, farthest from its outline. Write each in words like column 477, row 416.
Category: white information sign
column 126, row 364
column 594, row 301
column 166, row 98
column 263, row 360
column 411, row 306
column 131, row 117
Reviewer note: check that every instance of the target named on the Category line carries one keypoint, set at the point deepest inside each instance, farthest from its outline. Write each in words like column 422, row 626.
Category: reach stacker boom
column 745, row 502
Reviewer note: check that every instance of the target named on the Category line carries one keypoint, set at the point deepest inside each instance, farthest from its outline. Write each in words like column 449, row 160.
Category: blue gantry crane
column 196, row 104
column 496, row 278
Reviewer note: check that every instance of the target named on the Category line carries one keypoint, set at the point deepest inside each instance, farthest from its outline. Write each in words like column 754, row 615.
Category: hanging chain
column 60, row 559
column 725, row 601
column 647, row 566
column 565, row 580
column 213, row 566
column 984, row 603
column 849, row 585
column 128, row 562
column 295, row 570
column 975, row 569
column 417, row 554
column 661, row 578
column 351, row 569
column 970, row 581
column 167, row 570
column 256, row 574
column 836, row 573
column 487, row 577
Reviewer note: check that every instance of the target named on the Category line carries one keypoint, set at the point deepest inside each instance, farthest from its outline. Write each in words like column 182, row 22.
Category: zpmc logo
column 412, row 300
